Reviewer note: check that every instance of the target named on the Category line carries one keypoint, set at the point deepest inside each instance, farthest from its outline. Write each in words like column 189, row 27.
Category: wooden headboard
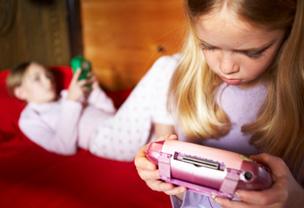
column 124, row 38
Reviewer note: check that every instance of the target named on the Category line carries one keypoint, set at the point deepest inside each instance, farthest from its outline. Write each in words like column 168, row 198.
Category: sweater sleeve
column 130, row 128
column 101, row 101
column 63, row 138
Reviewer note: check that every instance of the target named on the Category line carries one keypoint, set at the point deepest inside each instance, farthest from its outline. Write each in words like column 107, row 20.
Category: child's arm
column 78, row 89
column 62, row 138
column 100, row 100
column 285, row 192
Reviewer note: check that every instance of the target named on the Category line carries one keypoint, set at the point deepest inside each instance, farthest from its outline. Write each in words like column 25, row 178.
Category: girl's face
column 37, row 85
column 236, row 51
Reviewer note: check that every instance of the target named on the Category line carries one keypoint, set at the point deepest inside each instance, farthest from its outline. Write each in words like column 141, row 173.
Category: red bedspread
column 33, row 177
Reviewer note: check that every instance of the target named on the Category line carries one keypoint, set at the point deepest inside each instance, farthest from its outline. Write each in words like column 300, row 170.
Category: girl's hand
column 95, row 84
column 285, row 191
column 150, row 174
column 78, row 88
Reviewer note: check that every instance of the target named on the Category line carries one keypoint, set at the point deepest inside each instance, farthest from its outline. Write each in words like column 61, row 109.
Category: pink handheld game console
column 205, row 170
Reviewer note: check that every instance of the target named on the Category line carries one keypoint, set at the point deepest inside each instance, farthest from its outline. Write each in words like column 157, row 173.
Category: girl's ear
column 20, row 93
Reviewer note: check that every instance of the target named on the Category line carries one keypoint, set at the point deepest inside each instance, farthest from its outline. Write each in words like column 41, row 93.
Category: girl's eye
column 48, row 77
column 254, row 54
column 36, row 78
column 204, row 47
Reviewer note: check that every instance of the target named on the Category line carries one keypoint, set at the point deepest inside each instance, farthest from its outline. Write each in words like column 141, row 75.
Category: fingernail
column 219, row 200
column 237, row 196
column 237, row 193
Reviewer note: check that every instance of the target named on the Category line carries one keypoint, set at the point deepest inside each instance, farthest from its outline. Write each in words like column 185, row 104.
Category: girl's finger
column 141, row 162
column 90, row 79
column 76, row 75
column 266, row 197
column 274, row 163
column 159, row 185
column 94, row 78
column 149, row 175
column 176, row 190
column 86, row 90
column 159, row 139
column 226, row 203
column 169, row 137
column 154, row 185
column 172, row 137
column 82, row 82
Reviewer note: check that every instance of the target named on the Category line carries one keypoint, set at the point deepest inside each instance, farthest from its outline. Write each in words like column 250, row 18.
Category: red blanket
column 33, row 177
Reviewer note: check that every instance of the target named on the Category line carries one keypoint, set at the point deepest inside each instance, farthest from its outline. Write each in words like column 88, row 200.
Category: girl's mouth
column 231, row 81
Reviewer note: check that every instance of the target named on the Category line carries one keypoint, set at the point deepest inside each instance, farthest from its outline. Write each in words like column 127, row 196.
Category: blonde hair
column 279, row 128
column 17, row 74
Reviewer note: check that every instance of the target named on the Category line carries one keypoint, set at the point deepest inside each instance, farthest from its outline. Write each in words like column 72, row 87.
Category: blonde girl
column 239, row 85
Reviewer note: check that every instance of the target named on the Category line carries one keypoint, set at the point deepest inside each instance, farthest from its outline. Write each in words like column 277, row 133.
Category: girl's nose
column 228, row 65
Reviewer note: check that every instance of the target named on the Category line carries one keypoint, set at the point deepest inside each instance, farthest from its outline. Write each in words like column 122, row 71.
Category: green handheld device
column 79, row 62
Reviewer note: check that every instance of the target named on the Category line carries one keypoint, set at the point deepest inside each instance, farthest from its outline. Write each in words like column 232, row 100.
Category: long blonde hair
column 279, row 128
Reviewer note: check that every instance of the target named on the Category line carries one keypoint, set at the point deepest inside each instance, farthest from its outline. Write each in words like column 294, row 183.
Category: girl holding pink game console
column 239, row 85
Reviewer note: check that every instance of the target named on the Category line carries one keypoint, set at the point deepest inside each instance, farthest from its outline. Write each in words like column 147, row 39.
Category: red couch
column 33, row 177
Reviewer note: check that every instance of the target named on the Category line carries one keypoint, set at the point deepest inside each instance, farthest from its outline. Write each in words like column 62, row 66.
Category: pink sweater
column 62, row 125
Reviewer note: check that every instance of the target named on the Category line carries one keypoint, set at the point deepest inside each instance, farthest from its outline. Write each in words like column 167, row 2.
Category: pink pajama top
column 61, row 126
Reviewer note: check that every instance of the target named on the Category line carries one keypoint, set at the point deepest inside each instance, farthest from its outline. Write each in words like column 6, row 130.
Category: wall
column 33, row 30
column 123, row 38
